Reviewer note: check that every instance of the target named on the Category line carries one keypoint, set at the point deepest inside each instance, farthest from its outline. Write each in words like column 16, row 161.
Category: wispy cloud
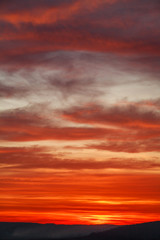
column 40, row 158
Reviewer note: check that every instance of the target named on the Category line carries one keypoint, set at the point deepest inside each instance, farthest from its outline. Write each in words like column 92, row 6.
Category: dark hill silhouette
column 27, row 231
column 144, row 231
column 32, row 231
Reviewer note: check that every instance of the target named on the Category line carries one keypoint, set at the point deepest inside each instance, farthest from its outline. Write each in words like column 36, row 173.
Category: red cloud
column 106, row 26
column 21, row 125
column 32, row 158
column 122, row 128
column 137, row 125
column 138, row 146
column 126, row 116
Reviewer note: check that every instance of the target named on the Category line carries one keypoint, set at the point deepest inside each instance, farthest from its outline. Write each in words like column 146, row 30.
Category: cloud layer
column 79, row 111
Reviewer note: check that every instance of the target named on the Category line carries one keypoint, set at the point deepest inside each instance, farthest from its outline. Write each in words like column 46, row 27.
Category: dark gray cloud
column 124, row 26
column 14, row 6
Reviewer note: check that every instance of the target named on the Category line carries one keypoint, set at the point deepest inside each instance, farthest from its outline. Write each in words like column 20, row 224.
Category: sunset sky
column 80, row 111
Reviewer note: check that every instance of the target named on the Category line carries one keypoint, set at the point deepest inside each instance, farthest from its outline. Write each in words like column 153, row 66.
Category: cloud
column 84, row 74
column 23, row 125
column 19, row 6
column 59, row 76
column 125, row 127
column 131, row 28
column 127, row 116
column 138, row 146
column 39, row 158
column 76, row 38
column 135, row 125
column 7, row 91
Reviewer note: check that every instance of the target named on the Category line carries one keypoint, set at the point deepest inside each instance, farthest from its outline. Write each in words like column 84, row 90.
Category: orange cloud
column 80, row 198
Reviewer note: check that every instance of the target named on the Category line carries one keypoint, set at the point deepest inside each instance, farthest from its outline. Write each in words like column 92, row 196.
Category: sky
column 80, row 111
